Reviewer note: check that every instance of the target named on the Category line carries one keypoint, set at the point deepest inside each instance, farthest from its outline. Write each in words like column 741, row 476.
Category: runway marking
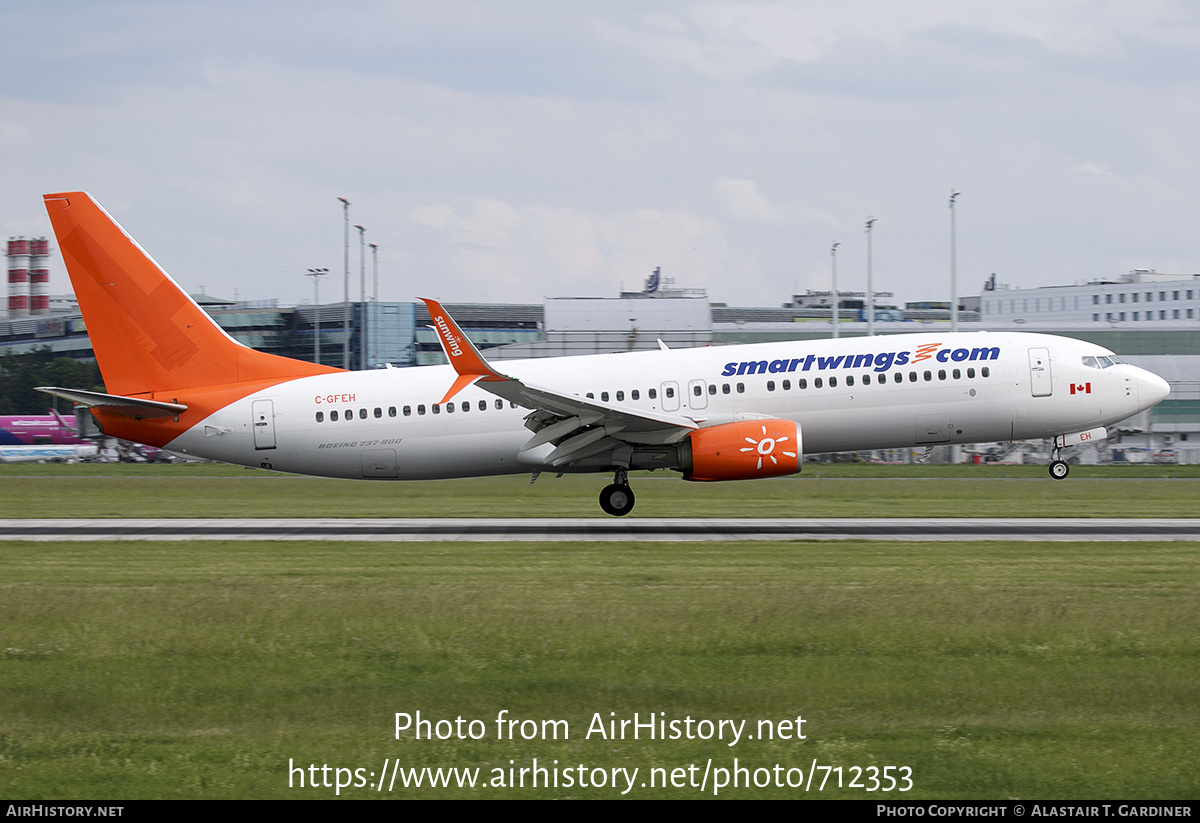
column 632, row 529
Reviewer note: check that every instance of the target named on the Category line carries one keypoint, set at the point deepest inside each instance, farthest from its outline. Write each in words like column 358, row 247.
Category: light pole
column 346, row 305
column 316, row 275
column 375, row 304
column 362, row 295
column 870, row 287
column 953, row 267
column 833, row 266
column 954, row 450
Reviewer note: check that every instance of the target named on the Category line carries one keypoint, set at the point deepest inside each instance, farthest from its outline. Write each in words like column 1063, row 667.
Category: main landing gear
column 617, row 498
column 1058, row 467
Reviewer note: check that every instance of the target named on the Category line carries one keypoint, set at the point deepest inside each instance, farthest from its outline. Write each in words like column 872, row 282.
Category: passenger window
column 349, row 414
column 320, row 417
column 712, row 388
column 435, row 408
column 408, row 411
column 604, row 396
column 956, row 374
column 802, row 383
column 362, row 414
column 421, row 408
column 849, row 380
column 391, row 411
column 741, row 388
column 912, row 377
column 698, row 390
column 725, row 388
column 333, row 416
column 833, row 382
column 449, row 408
column 817, row 383
column 652, row 393
column 379, row 412
column 970, row 373
column 866, row 379
column 985, row 372
column 466, row 406
column 620, row 396
column 928, row 376
column 941, row 374
column 670, row 392
column 483, row 405
column 787, row 385
column 591, row 396
column 770, row 385
column 634, row 395
column 499, row 405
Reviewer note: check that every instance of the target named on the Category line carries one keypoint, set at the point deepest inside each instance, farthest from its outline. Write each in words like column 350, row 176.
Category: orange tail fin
column 149, row 336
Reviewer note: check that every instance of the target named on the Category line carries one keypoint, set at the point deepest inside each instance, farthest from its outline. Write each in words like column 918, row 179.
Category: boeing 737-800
column 176, row 380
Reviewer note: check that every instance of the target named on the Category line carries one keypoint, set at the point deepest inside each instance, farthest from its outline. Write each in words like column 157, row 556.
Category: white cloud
column 525, row 149
column 743, row 201
column 435, row 216
column 501, row 251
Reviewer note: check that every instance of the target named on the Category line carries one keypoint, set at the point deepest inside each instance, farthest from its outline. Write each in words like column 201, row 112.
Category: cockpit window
column 1103, row 361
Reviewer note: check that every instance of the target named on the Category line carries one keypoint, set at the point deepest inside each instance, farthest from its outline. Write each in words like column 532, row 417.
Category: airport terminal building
column 1151, row 320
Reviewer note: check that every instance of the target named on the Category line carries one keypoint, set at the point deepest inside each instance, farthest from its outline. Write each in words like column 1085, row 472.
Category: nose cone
column 1152, row 389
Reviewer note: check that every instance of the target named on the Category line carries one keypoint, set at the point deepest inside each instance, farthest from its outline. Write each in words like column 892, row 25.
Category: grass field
column 992, row 670
column 822, row 490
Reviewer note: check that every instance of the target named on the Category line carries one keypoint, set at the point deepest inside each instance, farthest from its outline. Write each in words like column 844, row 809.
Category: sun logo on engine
column 766, row 448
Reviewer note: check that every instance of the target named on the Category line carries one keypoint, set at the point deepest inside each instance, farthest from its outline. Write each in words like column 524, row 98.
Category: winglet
column 460, row 351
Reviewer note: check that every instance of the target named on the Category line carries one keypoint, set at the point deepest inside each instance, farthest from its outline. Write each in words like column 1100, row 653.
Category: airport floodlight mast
column 346, row 305
column 362, row 296
column 833, row 266
column 375, row 304
column 953, row 266
column 870, row 287
column 316, row 275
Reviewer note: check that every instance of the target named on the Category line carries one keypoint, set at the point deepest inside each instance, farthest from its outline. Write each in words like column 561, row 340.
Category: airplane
column 38, row 430
column 38, row 438
column 48, row 454
column 178, row 381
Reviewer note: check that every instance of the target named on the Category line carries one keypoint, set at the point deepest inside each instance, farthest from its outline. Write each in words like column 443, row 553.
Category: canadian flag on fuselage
column 1081, row 388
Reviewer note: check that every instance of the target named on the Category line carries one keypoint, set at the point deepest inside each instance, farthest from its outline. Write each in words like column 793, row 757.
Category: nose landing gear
column 1058, row 467
column 617, row 498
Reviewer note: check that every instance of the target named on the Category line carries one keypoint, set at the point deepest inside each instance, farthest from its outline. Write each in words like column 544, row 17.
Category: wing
column 578, row 427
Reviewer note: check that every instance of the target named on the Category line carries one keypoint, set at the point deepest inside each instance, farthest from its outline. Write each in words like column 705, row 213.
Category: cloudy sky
column 509, row 151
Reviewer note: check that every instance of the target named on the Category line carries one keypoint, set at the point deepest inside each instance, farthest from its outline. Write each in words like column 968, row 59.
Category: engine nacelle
column 742, row 450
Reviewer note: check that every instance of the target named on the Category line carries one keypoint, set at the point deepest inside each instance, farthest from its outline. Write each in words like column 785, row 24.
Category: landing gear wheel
column 617, row 499
column 1059, row 469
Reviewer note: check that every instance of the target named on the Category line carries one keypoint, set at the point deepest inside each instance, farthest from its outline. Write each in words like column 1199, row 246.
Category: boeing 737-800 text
column 176, row 380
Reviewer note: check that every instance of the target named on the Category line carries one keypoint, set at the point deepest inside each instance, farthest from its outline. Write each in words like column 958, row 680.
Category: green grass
column 993, row 670
column 820, row 491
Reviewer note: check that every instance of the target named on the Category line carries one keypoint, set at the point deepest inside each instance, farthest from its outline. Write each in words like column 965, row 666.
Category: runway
column 632, row 529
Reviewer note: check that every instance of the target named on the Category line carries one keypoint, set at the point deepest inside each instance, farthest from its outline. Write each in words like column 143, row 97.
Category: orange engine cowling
column 743, row 450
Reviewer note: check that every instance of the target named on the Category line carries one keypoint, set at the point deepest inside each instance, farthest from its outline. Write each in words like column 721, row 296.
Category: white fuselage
column 847, row 394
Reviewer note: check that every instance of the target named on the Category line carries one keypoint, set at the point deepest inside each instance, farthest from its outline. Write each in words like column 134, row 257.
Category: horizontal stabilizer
column 134, row 407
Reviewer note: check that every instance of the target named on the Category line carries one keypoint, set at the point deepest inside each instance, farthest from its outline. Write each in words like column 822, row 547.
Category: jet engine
column 742, row 450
